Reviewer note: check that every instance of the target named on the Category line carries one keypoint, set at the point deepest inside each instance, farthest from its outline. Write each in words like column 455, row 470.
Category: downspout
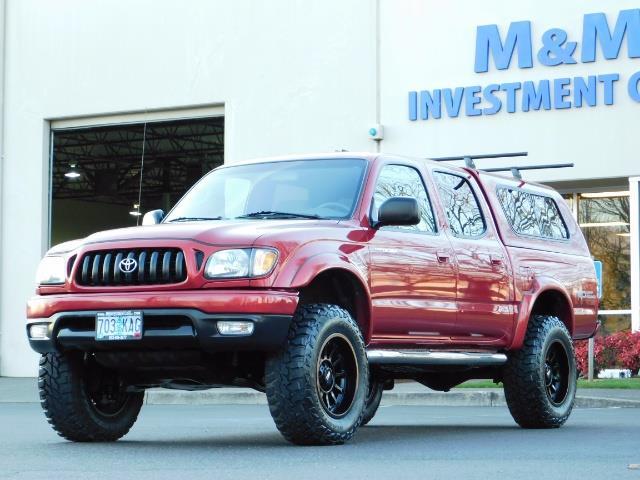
column 378, row 70
column 3, row 12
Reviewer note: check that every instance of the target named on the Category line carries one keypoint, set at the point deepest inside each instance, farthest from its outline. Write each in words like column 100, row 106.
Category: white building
column 291, row 76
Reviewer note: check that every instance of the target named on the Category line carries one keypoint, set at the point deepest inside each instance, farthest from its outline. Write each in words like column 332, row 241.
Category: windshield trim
column 350, row 215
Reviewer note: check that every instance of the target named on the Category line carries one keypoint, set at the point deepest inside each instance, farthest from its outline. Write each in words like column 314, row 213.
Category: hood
column 215, row 232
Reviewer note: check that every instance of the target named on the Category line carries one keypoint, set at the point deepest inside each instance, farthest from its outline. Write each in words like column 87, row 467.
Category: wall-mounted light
column 136, row 210
column 72, row 173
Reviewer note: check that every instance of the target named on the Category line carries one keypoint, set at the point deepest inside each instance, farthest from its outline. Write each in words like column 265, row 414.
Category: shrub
column 619, row 350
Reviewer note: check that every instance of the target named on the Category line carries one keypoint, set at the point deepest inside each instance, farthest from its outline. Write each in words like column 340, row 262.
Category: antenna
column 144, row 141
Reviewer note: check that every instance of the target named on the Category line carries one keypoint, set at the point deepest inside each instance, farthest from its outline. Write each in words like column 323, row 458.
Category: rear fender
column 541, row 285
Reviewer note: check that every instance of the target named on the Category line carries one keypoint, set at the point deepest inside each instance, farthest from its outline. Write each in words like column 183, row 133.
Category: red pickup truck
column 319, row 280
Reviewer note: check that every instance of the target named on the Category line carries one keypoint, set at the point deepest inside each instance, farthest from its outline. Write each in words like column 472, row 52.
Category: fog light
column 235, row 327
column 39, row 331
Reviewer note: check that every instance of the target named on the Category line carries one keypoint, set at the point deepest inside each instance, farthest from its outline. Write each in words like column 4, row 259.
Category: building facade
column 109, row 109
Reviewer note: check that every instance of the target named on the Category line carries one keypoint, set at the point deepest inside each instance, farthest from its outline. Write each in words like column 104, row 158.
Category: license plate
column 119, row 325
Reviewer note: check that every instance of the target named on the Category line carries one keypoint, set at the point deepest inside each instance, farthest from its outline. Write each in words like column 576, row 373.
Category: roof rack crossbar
column 515, row 171
column 469, row 159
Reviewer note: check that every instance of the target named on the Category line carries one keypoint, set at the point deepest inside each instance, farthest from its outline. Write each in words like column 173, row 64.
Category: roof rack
column 469, row 159
column 515, row 170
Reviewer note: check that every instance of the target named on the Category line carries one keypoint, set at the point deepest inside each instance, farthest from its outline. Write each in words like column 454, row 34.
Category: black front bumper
column 164, row 329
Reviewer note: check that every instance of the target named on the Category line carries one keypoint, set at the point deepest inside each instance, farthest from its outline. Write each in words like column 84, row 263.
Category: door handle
column 443, row 256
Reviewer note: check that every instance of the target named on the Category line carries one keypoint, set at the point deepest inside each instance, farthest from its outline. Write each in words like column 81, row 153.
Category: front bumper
column 184, row 320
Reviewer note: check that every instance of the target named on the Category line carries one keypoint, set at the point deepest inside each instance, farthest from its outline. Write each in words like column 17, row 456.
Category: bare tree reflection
column 609, row 244
column 460, row 204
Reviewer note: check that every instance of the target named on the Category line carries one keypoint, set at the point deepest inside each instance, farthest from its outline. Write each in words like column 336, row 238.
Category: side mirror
column 398, row 211
column 153, row 217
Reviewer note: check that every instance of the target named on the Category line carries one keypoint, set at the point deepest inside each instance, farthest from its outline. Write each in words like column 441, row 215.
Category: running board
column 435, row 357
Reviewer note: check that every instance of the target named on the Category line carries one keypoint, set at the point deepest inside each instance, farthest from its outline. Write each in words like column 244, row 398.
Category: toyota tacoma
column 319, row 280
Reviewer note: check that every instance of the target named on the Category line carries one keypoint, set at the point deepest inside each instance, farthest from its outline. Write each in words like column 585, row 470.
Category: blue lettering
column 511, row 88
column 555, row 48
column 534, row 99
column 583, row 90
column 430, row 104
column 471, row 99
column 495, row 102
column 634, row 93
column 595, row 27
column 452, row 101
column 559, row 93
column 488, row 41
column 413, row 106
column 608, row 80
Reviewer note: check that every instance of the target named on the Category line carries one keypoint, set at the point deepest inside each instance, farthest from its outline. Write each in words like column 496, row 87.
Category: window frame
column 475, row 196
column 527, row 235
column 392, row 228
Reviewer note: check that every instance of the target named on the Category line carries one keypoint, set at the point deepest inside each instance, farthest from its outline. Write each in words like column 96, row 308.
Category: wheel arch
column 550, row 299
column 343, row 287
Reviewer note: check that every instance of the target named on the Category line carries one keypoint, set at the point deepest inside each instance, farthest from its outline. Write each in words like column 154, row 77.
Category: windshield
column 292, row 189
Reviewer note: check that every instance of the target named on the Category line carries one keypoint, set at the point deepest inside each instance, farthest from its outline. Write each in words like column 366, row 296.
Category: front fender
column 298, row 274
column 541, row 285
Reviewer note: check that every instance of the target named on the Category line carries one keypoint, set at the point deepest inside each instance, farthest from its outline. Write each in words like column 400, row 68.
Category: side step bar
column 435, row 357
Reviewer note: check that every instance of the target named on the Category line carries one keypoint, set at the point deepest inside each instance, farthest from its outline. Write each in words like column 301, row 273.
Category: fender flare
column 542, row 284
column 303, row 274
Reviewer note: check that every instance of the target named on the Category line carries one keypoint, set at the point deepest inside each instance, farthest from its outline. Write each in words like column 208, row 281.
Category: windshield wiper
column 193, row 219
column 273, row 214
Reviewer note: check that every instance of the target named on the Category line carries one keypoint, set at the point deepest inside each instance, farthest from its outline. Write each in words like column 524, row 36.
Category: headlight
column 51, row 271
column 240, row 262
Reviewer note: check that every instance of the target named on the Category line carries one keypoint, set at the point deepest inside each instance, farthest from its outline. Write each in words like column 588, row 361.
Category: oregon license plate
column 119, row 325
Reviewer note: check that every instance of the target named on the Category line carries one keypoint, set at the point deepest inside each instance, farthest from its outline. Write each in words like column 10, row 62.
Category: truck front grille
column 132, row 267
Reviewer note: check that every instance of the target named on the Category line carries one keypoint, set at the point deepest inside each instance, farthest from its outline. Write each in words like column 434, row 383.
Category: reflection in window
column 604, row 221
column 460, row 205
column 531, row 214
column 402, row 181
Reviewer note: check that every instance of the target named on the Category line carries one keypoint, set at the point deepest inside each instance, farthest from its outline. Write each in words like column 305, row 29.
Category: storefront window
column 569, row 199
column 604, row 220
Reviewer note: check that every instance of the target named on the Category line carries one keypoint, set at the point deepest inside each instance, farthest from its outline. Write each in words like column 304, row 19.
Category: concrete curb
column 25, row 390
column 427, row 398
column 204, row 397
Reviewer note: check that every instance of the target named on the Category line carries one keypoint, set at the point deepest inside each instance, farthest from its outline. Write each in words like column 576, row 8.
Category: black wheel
column 374, row 396
column 540, row 378
column 83, row 401
column 317, row 384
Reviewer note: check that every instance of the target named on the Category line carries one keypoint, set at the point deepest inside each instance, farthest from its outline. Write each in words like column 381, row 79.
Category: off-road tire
column 64, row 397
column 374, row 397
column 293, row 383
column 524, row 376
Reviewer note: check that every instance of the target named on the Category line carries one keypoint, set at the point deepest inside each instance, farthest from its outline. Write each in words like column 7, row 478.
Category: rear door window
column 460, row 205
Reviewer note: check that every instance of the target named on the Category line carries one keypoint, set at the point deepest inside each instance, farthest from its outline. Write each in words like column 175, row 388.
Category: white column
column 2, row 124
column 634, row 230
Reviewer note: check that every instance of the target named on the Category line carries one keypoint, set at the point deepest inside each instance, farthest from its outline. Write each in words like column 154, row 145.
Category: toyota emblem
column 128, row 265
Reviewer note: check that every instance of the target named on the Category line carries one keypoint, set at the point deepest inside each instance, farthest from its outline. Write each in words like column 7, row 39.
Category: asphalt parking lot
column 240, row 441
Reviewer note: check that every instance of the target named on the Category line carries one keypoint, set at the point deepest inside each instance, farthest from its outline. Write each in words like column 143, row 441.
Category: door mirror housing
column 398, row 211
column 153, row 217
